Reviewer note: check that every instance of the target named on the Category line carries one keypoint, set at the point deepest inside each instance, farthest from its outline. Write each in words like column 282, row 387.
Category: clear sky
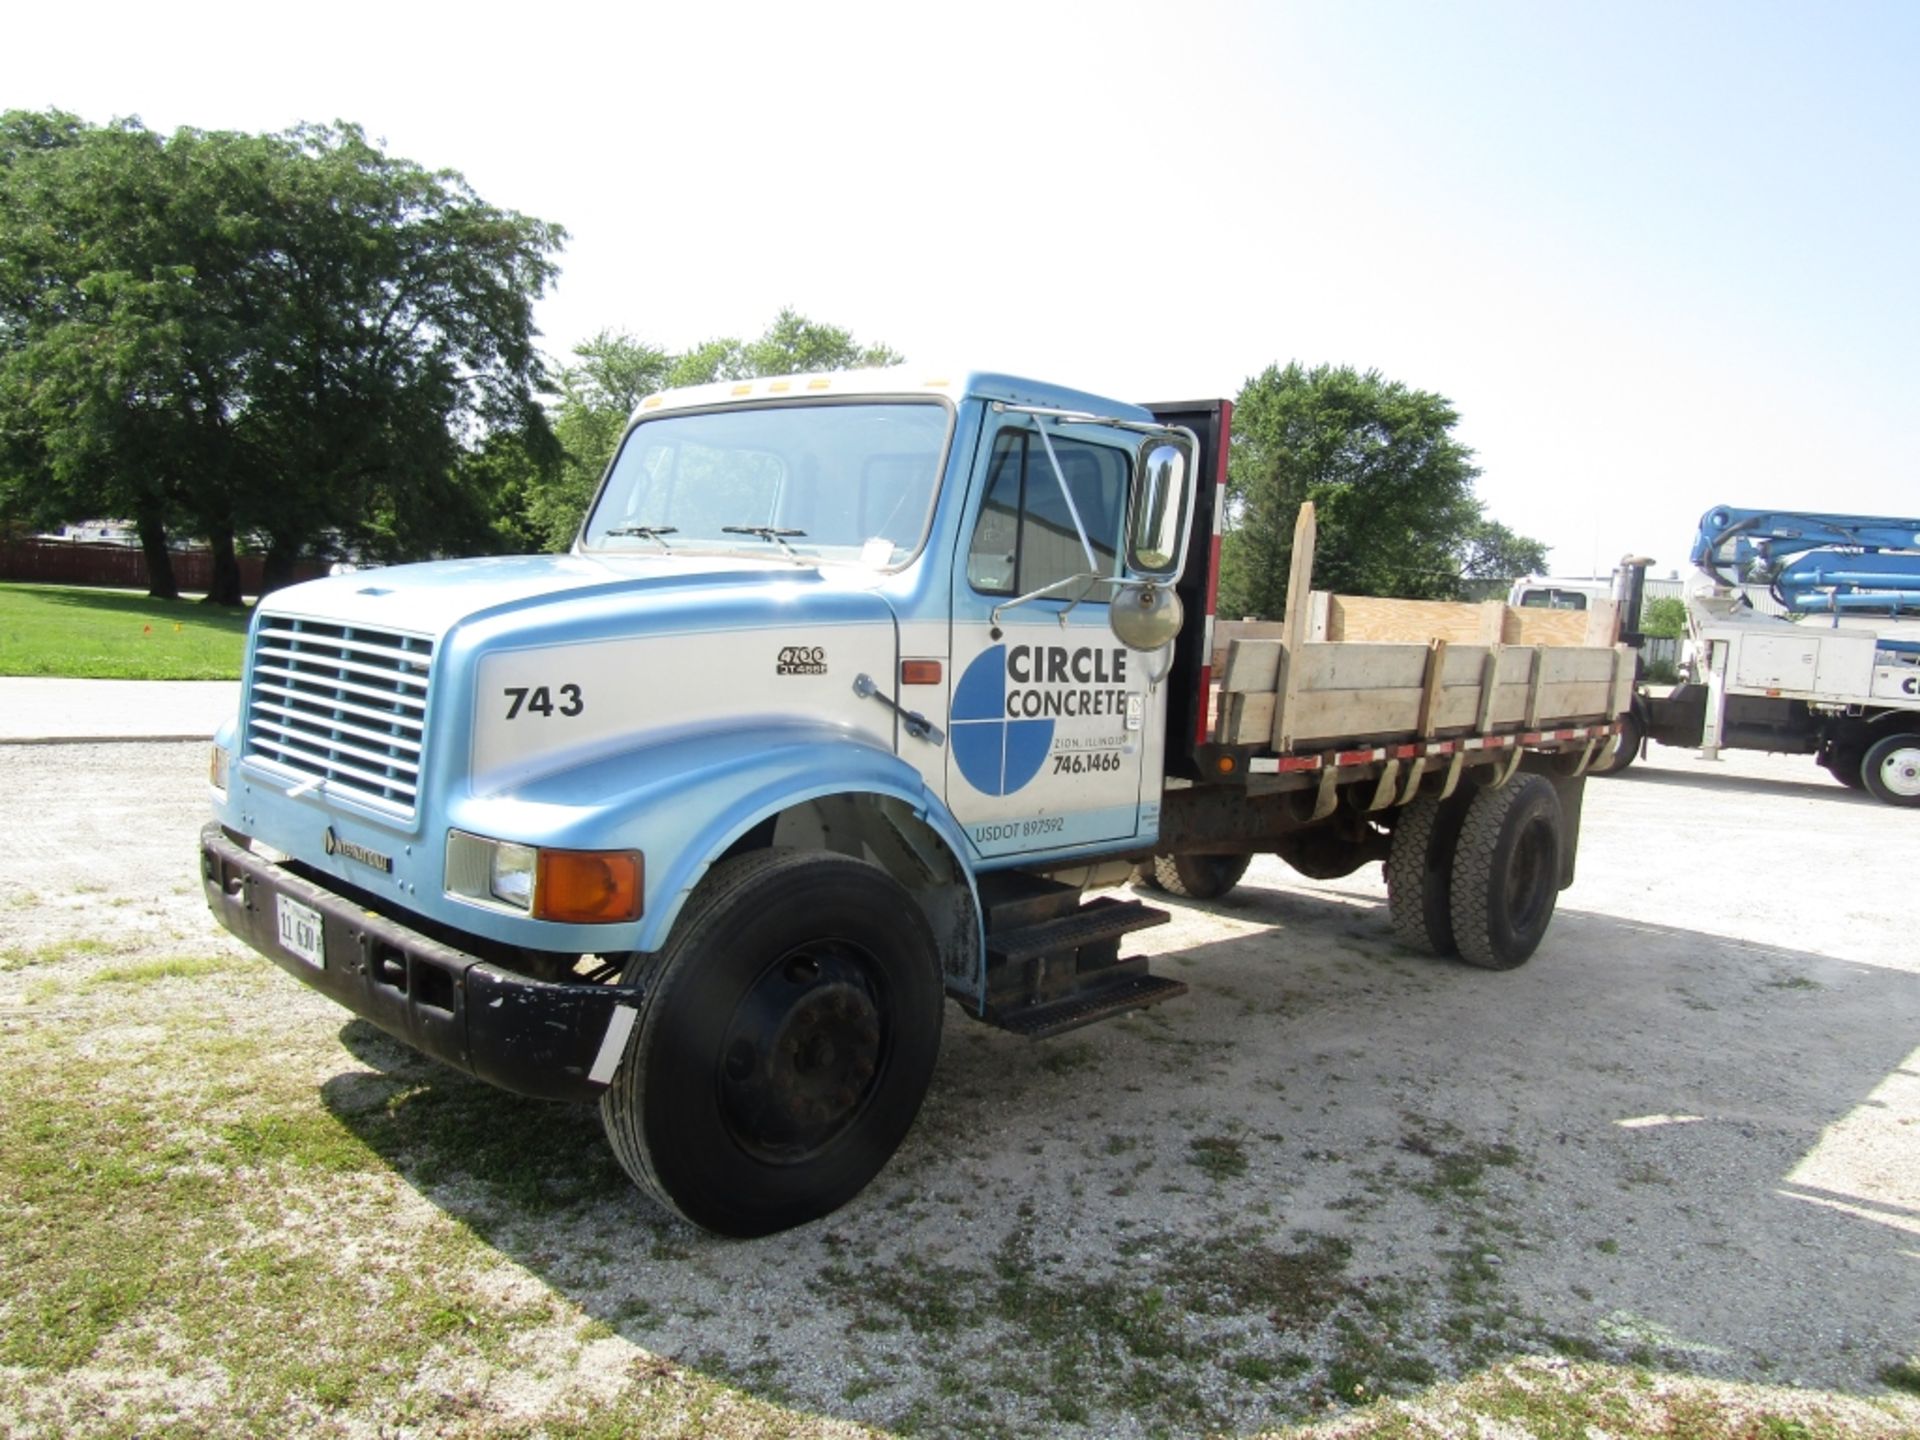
column 1660, row 256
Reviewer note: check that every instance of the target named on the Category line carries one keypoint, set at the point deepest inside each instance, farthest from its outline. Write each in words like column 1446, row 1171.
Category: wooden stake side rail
column 1344, row 690
column 1373, row 755
column 1366, row 617
column 1394, row 679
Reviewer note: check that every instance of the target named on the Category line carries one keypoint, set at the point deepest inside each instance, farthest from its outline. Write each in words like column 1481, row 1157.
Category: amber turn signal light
column 919, row 672
column 589, row 887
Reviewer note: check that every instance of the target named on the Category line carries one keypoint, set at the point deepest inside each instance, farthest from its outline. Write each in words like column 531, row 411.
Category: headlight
column 510, row 874
column 580, row 887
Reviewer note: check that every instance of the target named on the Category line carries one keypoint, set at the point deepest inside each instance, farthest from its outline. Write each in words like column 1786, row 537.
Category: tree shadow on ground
column 232, row 619
column 1333, row 1170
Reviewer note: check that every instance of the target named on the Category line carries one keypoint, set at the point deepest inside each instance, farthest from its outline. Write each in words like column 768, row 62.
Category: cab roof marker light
column 746, row 389
column 652, row 402
column 780, row 387
column 820, row 383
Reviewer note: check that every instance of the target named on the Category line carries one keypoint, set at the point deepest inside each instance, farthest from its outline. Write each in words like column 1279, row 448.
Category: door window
column 1025, row 538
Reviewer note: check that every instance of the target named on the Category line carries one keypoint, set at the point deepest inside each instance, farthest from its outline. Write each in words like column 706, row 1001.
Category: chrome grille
column 342, row 704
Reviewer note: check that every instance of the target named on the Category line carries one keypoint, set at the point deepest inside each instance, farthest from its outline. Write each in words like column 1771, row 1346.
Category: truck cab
column 830, row 644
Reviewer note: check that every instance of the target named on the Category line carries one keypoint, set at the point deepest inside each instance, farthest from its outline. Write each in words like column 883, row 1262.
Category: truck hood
column 429, row 599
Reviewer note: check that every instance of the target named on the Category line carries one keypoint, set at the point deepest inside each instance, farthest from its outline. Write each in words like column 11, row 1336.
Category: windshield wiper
column 767, row 532
column 647, row 532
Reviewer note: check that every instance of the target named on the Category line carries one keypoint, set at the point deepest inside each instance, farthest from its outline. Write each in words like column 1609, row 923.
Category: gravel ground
column 1686, row 1136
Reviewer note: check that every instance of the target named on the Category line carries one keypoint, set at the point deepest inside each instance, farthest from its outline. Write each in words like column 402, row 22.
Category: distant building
column 96, row 532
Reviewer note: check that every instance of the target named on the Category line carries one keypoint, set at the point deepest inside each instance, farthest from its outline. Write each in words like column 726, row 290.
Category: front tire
column 1891, row 770
column 1506, row 872
column 784, row 1045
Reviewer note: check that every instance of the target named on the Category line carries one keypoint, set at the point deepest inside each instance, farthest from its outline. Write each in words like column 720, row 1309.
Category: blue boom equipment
column 1817, row 564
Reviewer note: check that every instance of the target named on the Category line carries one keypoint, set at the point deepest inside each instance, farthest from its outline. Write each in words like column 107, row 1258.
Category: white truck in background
column 1833, row 672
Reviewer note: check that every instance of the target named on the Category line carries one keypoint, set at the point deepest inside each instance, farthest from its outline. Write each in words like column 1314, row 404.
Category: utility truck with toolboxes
column 850, row 690
column 1830, row 668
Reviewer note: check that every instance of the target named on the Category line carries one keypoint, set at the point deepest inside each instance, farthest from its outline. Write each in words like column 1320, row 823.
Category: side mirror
column 1156, row 522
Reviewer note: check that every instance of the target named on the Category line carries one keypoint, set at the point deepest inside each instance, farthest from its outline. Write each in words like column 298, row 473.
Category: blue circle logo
column 997, row 755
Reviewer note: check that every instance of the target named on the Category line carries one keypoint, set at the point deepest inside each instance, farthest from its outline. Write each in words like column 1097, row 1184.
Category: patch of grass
column 435, row 1125
column 274, row 1253
column 1457, row 1172
column 113, row 635
column 1093, row 1342
column 1064, row 1059
column 1574, row 1347
column 1561, row 1400
column 174, row 967
column 305, row 1139
column 1904, row 1375
column 1267, row 1369
column 1295, row 1289
column 930, row 1299
column 1218, row 1157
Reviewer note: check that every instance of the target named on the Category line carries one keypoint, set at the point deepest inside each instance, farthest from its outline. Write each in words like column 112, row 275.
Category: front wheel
column 784, row 1045
column 1506, row 872
column 1891, row 770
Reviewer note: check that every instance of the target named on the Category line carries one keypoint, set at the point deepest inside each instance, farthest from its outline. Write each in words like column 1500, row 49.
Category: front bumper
column 552, row 1042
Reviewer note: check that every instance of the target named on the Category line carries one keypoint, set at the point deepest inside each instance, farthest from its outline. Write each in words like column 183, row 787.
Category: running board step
column 1098, row 920
column 1084, row 1007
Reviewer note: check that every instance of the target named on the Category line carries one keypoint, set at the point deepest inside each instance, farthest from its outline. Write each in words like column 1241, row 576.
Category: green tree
column 791, row 345
column 1664, row 616
column 1392, row 491
column 296, row 337
column 599, row 389
column 1488, row 550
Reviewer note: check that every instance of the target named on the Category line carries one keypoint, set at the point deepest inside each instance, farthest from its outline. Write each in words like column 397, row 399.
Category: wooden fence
column 67, row 562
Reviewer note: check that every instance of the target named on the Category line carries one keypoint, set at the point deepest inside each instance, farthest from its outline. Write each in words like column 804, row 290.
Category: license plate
column 301, row 931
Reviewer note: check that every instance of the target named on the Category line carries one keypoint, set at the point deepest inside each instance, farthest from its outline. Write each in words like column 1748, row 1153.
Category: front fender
column 684, row 801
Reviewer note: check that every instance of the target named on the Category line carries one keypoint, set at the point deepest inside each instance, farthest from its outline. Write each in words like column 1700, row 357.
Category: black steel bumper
column 553, row 1042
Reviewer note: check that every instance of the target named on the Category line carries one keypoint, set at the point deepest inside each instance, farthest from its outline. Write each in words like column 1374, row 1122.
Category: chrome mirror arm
column 1086, row 582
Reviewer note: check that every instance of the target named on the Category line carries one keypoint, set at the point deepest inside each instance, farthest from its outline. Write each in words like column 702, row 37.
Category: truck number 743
column 538, row 700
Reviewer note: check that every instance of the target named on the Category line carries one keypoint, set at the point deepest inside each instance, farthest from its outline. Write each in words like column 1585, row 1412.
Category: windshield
column 849, row 482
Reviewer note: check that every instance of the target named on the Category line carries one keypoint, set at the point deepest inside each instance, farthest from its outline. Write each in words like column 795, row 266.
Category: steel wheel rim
column 803, row 1053
column 1900, row 771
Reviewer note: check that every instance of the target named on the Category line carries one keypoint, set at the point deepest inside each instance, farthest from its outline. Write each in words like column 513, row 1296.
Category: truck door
column 1048, row 722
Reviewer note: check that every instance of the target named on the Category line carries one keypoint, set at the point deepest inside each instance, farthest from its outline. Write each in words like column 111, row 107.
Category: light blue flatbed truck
column 850, row 690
